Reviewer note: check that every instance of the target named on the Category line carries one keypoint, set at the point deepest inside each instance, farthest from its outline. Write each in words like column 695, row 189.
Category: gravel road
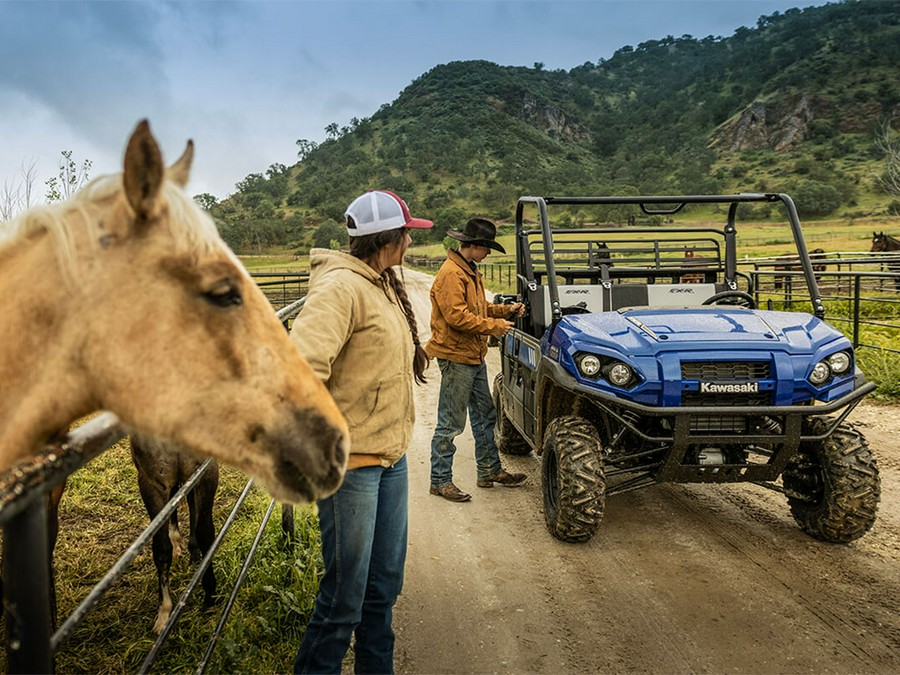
column 679, row 579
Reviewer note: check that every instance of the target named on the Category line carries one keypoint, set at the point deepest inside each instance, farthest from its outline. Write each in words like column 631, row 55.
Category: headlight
column 820, row 373
column 839, row 362
column 619, row 374
column 589, row 365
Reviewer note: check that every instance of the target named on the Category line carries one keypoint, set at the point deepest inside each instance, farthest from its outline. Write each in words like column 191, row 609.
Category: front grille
column 751, row 399
column 711, row 371
column 724, row 424
column 728, row 424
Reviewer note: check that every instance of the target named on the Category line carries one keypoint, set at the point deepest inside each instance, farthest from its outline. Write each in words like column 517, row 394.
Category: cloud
column 245, row 79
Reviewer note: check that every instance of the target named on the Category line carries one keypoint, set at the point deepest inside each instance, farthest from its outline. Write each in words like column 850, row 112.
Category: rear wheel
column 833, row 485
column 573, row 480
column 506, row 436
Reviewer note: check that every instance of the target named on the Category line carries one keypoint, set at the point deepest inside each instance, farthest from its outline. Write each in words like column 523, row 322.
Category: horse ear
column 143, row 175
column 180, row 171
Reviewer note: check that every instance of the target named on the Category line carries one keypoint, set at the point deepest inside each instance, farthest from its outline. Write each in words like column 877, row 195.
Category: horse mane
column 191, row 228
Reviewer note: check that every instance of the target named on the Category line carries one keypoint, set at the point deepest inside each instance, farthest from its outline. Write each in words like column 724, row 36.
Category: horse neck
column 42, row 390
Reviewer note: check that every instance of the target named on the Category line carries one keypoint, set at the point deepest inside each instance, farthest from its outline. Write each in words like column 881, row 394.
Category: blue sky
column 245, row 80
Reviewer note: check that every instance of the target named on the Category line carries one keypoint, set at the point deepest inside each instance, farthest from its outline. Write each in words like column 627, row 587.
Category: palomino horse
column 885, row 243
column 125, row 298
column 162, row 469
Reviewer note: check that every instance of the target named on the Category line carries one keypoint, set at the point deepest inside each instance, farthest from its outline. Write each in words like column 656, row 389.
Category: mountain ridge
column 793, row 104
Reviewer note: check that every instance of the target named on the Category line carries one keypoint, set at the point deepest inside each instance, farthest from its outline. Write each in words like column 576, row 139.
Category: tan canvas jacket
column 461, row 317
column 357, row 340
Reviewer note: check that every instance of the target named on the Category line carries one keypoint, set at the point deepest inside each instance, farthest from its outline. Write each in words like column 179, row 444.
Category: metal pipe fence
column 861, row 294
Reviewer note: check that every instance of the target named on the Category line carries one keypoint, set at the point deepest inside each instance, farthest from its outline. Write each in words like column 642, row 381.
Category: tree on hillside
column 888, row 143
column 305, row 147
column 330, row 230
column 206, row 201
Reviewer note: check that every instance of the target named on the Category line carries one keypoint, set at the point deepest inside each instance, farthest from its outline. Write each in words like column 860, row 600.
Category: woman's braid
column 420, row 358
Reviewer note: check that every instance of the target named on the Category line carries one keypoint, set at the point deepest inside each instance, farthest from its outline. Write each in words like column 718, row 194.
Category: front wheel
column 573, row 480
column 506, row 436
column 833, row 485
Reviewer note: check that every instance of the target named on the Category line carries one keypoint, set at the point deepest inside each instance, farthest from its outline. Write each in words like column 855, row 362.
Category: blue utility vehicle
column 643, row 358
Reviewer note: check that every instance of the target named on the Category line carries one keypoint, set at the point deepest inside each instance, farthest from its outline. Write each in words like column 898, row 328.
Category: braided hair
column 367, row 247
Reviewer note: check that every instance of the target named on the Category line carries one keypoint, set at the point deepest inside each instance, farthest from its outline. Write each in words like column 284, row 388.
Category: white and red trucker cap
column 379, row 211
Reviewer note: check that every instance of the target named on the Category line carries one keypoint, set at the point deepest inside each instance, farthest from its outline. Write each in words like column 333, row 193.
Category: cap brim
column 419, row 224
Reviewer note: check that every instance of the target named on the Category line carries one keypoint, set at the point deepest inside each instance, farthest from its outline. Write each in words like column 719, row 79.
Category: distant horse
column 598, row 254
column 791, row 263
column 692, row 260
column 885, row 243
column 162, row 469
column 125, row 298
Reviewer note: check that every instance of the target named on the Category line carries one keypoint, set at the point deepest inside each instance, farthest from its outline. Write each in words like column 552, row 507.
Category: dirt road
column 679, row 579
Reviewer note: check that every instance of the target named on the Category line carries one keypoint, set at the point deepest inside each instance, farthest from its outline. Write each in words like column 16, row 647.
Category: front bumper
column 785, row 437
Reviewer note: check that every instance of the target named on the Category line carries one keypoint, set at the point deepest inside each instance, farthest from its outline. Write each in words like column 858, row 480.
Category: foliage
column 70, row 179
column 882, row 367
column 328, row 232
column 206, row 201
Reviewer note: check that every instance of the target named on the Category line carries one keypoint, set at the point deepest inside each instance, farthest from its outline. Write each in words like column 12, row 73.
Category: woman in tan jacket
column 358, row 332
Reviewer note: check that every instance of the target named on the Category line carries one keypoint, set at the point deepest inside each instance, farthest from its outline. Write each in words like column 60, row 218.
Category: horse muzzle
column 310, row 458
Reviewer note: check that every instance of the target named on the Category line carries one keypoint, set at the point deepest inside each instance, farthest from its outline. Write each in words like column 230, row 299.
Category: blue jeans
column 463, row 386
column 364, row 534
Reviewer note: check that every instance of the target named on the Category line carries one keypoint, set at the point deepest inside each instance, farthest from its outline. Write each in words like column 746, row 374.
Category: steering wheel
column 742, row 299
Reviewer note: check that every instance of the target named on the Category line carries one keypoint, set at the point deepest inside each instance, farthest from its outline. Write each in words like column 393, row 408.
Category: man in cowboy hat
column 461, row 321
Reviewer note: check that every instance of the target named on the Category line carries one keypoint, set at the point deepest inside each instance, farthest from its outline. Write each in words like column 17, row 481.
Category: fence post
column 856, row 293
column 26, row 568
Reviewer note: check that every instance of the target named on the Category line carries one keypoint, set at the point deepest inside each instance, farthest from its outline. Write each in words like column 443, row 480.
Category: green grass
column 101, row 513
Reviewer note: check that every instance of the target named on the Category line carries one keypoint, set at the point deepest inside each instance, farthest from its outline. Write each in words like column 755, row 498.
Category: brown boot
column 504, row 478
column 451, row 493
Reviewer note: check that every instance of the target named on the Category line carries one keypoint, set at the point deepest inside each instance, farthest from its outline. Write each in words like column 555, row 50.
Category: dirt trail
column 679, row 578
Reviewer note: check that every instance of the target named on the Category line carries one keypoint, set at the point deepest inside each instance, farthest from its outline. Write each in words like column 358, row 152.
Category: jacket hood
column 323, row 260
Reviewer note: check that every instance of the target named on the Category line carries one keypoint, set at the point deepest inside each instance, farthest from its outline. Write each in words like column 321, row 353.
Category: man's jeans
column 364, row 533
column 463, row 386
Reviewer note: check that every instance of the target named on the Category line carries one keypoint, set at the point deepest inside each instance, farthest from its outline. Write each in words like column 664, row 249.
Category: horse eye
column 224, row 295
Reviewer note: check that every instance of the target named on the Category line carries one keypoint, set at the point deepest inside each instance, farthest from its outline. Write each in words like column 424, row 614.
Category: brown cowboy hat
column 478, row 231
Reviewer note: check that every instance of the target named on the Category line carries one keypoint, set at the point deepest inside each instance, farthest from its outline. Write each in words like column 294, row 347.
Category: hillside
column 793, row 105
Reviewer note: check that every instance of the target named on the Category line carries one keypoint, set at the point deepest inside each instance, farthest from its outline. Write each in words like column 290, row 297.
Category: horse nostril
column 254, row 432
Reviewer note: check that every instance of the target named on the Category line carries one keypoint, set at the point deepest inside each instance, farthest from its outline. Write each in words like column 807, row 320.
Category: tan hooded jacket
column 461, row 317
column 354, row 334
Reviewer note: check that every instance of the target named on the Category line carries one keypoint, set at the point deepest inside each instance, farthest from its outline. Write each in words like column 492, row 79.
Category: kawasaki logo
column 716, row 388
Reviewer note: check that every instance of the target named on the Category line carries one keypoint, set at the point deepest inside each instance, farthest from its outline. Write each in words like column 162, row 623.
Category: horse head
column 879, row 242
column 158, row 322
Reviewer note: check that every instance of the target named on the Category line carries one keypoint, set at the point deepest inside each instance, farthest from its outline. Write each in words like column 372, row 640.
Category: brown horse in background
column 162, row 470
column 885, row 243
